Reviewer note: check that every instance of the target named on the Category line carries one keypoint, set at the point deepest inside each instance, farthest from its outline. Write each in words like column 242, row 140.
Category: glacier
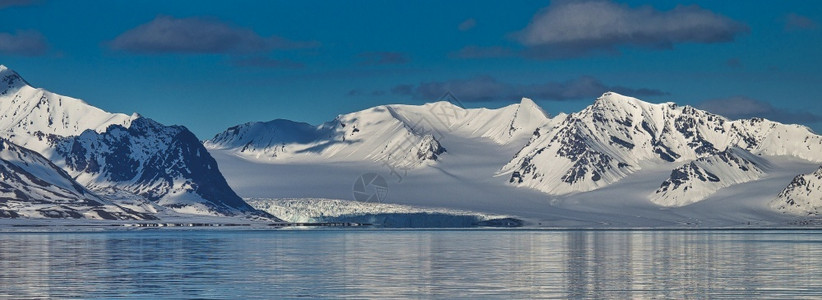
column 307, row 210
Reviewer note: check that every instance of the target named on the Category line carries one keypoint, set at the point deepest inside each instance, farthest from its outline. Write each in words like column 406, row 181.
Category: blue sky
column 217, row 64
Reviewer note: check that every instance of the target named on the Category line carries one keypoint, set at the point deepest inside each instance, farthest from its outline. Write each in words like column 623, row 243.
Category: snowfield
column 474, row 189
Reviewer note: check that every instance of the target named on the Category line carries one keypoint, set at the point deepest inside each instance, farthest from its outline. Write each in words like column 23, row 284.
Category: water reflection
column 411, row 264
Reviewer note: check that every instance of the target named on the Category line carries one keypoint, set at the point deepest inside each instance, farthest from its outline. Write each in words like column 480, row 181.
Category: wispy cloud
column 10, row 3
column 741, row 107
column 488, row 89
column 166, row 34
column 467, row 24
column 265, row 62
column 577, row 28
column 383, row 58
column 26, row 42
column 795, row 22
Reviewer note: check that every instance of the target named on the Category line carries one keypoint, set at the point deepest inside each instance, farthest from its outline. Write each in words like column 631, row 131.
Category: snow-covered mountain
column 618, row 161
column 618, row 154
column 500, row 125
column 408, row 136
column 31, row 186
column 116, row 153
column 614, row 138
column 165, row 164
column 29, row 116
column 374, row 134
column 696, row 180
column 803, row 196
column 619, row 135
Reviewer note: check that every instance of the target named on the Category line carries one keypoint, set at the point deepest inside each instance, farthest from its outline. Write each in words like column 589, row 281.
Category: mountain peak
column 526, row 104
column 611, row 101
column 528, row 116
column 442, row 104
column 9, row 79
column 526, row 101
column 29, row 114
column 616, row 97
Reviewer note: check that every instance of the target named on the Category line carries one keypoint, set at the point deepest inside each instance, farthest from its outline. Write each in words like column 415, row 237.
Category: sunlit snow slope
column 405, row 136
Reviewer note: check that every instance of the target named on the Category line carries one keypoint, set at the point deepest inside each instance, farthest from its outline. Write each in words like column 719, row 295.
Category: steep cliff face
column 164, row 164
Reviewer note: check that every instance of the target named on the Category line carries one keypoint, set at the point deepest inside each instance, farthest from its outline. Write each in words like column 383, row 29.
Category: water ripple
column 231, row 264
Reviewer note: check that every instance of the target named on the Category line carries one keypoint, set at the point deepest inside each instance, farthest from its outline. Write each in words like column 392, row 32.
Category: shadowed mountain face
column 31, row 186
column 165, row 164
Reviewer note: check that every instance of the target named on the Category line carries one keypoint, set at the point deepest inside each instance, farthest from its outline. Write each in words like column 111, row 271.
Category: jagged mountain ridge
column 698, row 179
column 803, row 196
column 110, row 152
column 404, row 135
column 31, row 186
column 619, row 135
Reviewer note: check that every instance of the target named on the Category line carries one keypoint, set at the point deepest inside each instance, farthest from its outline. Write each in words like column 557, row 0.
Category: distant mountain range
column 562, row 156
column 403, row 135
column 63, row 158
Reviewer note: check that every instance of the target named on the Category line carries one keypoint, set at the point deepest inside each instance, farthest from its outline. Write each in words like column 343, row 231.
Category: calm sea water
column 232, row 264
